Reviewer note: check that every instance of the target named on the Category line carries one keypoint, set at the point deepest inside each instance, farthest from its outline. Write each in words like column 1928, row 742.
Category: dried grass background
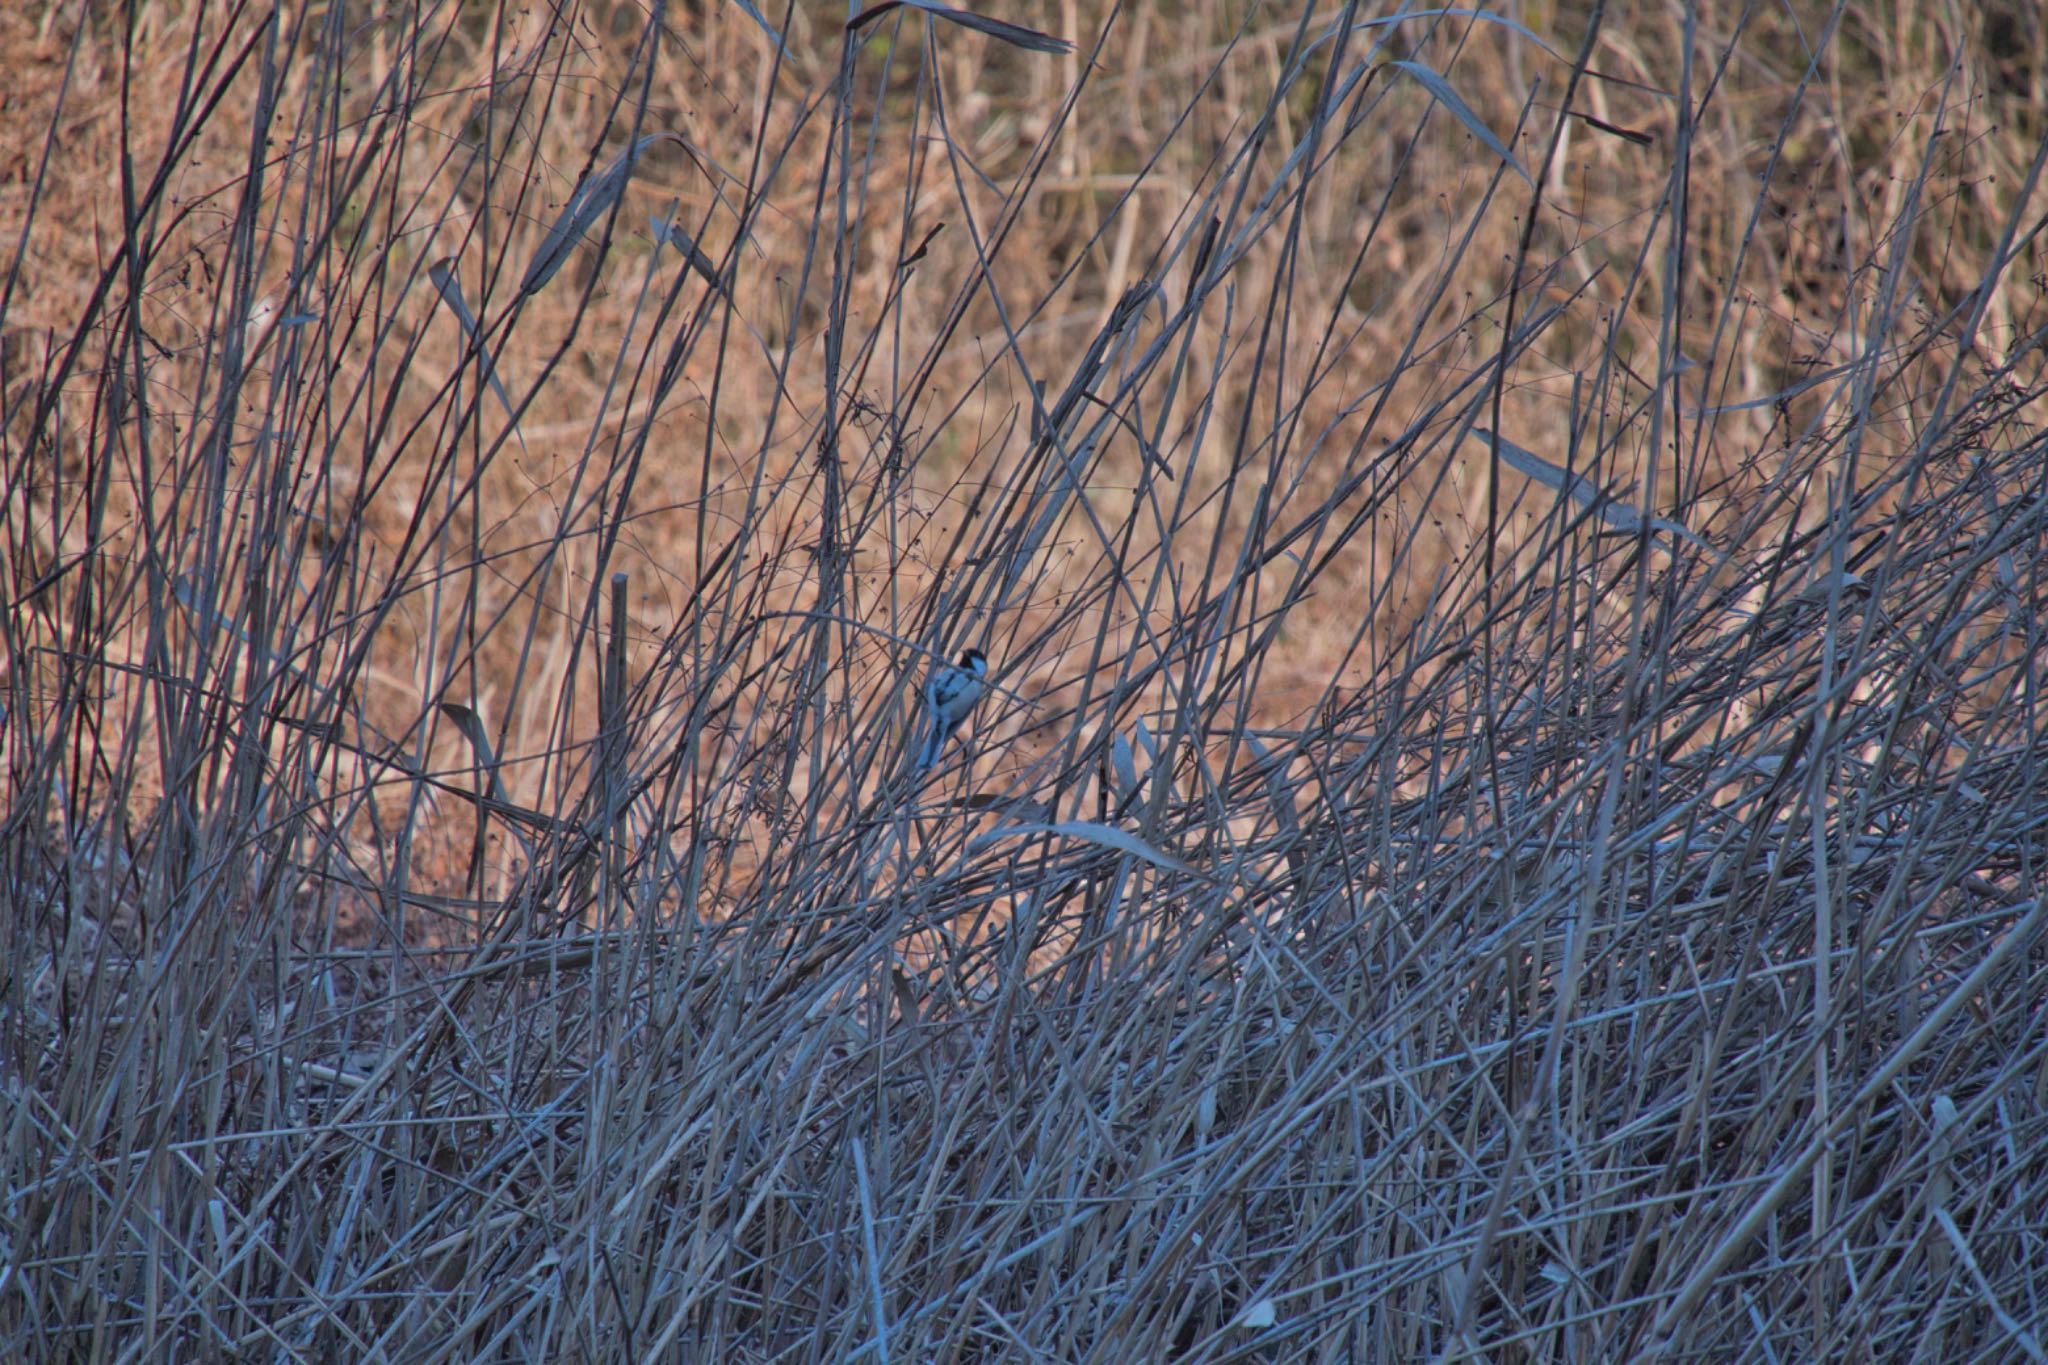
column 1407, row 895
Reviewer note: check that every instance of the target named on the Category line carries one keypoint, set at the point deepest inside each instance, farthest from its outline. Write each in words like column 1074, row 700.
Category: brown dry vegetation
column 465, row 897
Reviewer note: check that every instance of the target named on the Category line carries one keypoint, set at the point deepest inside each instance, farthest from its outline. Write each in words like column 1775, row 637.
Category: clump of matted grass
column 483, row 501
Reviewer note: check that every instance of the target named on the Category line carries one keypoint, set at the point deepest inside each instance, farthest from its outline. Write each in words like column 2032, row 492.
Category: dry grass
column 465, row 900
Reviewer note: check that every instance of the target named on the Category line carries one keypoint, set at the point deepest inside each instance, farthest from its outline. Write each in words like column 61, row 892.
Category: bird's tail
column 931, row 746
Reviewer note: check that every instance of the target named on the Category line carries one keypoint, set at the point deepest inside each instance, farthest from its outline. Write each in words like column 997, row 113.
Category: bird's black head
column 975, row 662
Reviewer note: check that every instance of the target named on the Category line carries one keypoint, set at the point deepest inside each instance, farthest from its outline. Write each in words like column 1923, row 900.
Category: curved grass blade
column 1090, row 832
column 1474, row 14
column 1030, row 39
column 442, row 273
column 1620, row 515
column 774, row 35
column 492, row 795
column 593, row 199
column 1440, row 88
column 666, row 231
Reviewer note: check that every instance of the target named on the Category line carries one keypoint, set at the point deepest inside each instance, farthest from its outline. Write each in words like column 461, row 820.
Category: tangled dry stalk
column 484, row 483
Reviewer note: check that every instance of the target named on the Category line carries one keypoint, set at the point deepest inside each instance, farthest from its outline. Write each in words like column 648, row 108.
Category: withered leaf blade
column 442, row 273
column 593, row 199
column 773, row 33
column 667, row 232
column 1440, row 88
column 1620, row 515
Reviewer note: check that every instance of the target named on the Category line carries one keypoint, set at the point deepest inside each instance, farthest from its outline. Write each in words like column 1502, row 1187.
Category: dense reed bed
column 1509, row 818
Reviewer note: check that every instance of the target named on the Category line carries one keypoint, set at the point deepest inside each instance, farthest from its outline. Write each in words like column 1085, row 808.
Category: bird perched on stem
column 949, row 694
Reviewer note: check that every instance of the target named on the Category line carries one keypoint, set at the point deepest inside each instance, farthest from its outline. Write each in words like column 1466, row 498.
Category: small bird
column 949, row 694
